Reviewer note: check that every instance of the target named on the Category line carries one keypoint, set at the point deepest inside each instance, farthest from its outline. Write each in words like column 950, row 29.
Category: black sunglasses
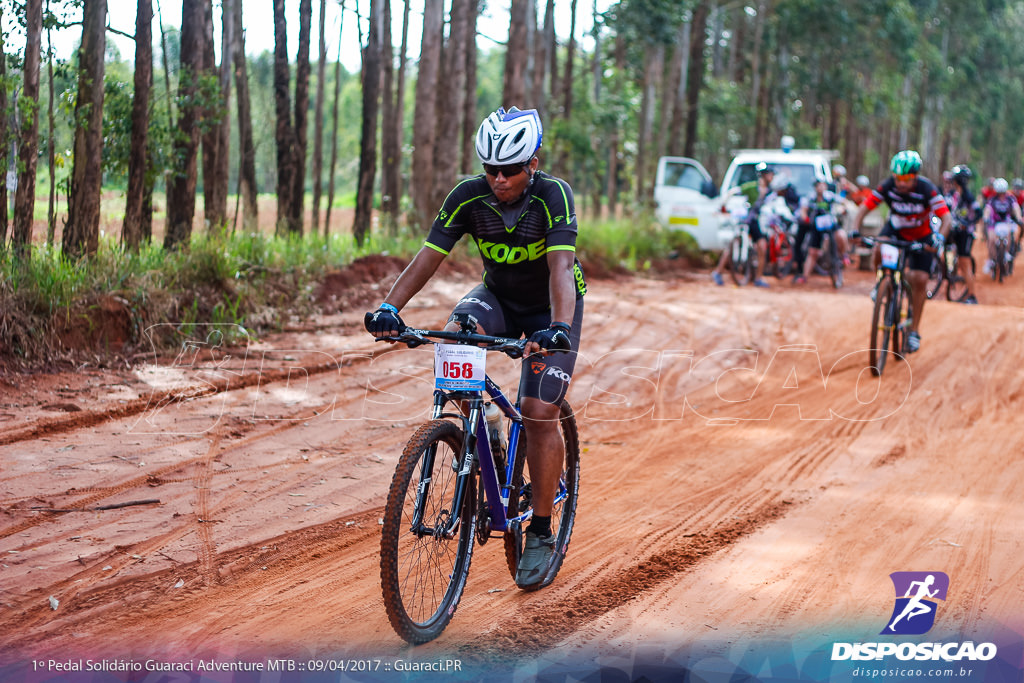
column 509, row 171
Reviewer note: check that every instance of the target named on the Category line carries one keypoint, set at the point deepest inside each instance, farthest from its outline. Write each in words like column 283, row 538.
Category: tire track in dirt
column 162, row 399
column 550, row 623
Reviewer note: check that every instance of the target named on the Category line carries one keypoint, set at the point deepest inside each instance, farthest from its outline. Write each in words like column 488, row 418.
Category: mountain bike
column 742, row 255
column 893, row 311
column 829, row 262
column 780, row 255
column 1003, row 250
column 456, row 484
column 946, row 271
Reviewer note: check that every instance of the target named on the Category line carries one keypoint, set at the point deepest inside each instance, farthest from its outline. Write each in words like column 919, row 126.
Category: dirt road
column 747, row 489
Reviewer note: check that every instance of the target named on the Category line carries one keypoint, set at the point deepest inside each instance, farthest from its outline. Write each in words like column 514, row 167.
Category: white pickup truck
column 687, row 199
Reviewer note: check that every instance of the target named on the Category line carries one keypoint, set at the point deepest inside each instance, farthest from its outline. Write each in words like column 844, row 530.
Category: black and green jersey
column 513, row 239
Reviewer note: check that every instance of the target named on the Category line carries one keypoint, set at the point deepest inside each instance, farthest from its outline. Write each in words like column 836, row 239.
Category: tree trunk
column 680, row 73
column 51, row 150
column 284, row 133
column 223, row 129
column 654, row 57
column 755, row 67
column 28, row 152
column 298, row 197
column 181, row 192
column 541, row 62
column 3, row 139
column 318, row 120
column 390, row 165
column 368, row 146
column 562, row 165
column 213, row 207
column 514, row 85
column 138, row 154
column 695, row 77
column 247, row 150
column 612, row 180
column 423, row 155
column 470, row 162
column 454, row 94
column 334, row 127
column 82, row 233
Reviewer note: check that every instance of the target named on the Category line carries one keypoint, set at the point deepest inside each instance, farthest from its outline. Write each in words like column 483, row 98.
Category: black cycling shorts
column 817, row 237
column 963, row 239
column 543, row 377
column 920, row 259
column 754, row 230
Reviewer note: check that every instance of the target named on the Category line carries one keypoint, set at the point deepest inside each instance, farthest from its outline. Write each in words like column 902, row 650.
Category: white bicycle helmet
column 511, row 137
column 999, row 185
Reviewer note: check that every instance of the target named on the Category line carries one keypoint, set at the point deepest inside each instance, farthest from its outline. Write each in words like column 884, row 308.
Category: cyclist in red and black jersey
column 524, row 223
column 912, row 200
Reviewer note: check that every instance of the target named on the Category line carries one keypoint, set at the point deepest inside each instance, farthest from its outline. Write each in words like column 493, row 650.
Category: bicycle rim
column 882, row 327
column 739, row 266
column 423, row 573
column 563, row 516
column 936, row 276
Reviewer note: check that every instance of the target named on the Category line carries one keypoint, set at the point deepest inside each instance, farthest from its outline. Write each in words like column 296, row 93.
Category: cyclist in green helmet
column 912, row 200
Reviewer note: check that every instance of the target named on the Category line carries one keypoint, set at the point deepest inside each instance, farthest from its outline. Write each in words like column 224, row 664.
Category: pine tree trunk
column 470, row 123
column 513, row 88
column 181, row 191
column 82, row 233
column 423, row 155
column 368, row 145
column 25, row 195
column 138, row 154
column 284, row 133
column 449, row 126
column 390, row 165
column 695, row 77
column 318, row 119
column 223, row 129
column 4, row 146
column 298, row 197
column 334, row 126
column 247, row 150
column 51, row 148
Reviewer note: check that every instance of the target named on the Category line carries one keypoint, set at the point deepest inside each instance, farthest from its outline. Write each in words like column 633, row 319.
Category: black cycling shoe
column 536, row 559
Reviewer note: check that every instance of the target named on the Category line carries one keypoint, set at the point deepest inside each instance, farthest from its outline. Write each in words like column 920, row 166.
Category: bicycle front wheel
column 427, row 538
column 563, row 516
column 884, row 327
column 936, row 276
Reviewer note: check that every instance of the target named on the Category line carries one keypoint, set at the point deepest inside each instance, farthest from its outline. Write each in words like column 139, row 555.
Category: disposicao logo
column 916, row 596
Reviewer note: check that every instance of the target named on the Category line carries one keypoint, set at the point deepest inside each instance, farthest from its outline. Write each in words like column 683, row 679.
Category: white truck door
column 682, row 203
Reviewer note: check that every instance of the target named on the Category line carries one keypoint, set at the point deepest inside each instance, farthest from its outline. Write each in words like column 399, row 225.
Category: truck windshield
column 801, row 175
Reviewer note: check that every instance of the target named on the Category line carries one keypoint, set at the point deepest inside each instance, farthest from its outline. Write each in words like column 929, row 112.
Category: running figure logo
column 916, row 595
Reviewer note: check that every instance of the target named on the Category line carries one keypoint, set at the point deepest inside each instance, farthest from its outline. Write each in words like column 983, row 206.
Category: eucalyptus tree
column 25, row 194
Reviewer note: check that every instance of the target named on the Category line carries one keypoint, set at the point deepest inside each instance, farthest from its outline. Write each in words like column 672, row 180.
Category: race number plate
column 825, row 221
column 890, row 256
column 458, row 367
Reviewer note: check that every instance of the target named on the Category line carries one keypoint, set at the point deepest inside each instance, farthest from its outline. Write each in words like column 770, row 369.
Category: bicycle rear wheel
column 741, row 260
column 563, row 516
column 884, row 327
column 423, row 568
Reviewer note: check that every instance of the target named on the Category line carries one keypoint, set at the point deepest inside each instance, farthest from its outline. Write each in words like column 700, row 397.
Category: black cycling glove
column 381, row 322
column 555, row 338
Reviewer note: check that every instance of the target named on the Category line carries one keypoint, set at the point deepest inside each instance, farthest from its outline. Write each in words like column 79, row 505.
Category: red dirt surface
column 744, row 480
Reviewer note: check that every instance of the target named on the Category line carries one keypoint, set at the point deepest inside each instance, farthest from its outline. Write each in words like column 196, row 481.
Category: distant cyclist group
column 941, row 221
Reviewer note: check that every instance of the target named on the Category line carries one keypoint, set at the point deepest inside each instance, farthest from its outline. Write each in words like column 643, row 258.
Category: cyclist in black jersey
column 966, row 214
column 524, row 223
column 1001, row 211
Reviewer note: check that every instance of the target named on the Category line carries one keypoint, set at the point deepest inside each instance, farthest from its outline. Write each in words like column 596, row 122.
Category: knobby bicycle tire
column 424, row 574
column 937, row 275
column 883, row 327
column 956, row 290
column 836, row 263
column 563, row 516
column 741, row 266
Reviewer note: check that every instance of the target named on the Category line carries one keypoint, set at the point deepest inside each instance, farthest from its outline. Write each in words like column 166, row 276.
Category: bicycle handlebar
column 411, row 337
column 903, row 244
